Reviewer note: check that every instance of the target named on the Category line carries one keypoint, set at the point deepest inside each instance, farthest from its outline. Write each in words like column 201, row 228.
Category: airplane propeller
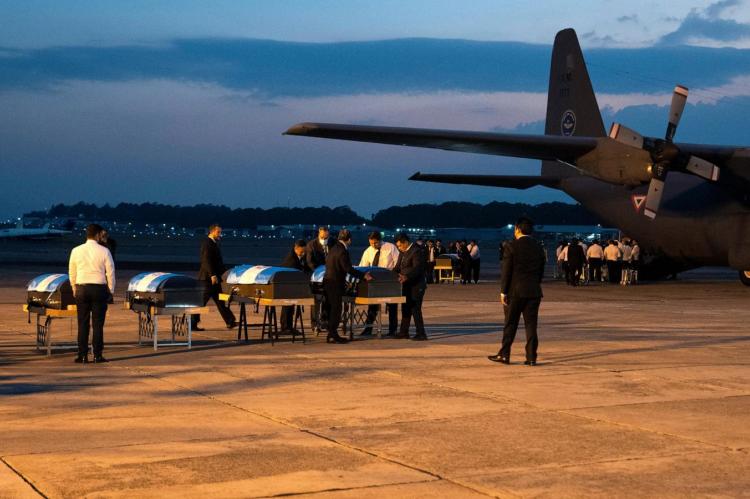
column 665, row 156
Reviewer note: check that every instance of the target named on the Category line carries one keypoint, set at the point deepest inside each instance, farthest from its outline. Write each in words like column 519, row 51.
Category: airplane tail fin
column 571, row 104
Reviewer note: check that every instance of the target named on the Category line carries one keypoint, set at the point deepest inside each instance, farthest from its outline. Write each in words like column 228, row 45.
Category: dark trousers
column 412, row 307
column 596, row 269
column 287, row 318
column 333, row 305
column 91, row 302
column 211, row 292
column 475, row 270
column 466, row 270
column 529, row 309
column 613, row 269
column 574, row 273
column 319, row 313
column 392, row 308
column 430, row 273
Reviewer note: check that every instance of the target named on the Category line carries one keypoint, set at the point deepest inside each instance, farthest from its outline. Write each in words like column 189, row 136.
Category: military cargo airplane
column 688, row 205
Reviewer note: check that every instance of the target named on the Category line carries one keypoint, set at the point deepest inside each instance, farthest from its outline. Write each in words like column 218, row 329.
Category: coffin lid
column 151, row 282
column 259, row 274
column 319, row 273
column 47, row 282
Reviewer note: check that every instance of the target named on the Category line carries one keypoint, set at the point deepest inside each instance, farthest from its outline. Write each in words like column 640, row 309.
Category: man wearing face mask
column 212, row 268
column 315, row 254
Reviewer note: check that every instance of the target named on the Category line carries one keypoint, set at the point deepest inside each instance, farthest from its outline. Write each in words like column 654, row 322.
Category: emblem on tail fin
column 637, row 201
column 568, row 123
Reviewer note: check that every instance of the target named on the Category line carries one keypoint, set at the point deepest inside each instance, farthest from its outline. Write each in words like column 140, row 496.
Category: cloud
column 715, row 10
column 270, row 69
column 709, row 28
column 631, row 18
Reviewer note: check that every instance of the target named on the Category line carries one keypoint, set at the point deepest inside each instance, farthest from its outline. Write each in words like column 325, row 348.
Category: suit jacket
column 523, row 268
column 339, row 264
column 412, row 264
column 292, row 261
column 211, row 261
column 315, row 254
column 576, row 256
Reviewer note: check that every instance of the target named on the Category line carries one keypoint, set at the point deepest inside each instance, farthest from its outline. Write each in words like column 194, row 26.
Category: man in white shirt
column 594, row 256
column 92, row 277
column 384, row 255
column 612, row 255
column 475, row 260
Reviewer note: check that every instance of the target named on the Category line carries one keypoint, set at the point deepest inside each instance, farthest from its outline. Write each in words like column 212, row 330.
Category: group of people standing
column 621, row 259
column 408, row 260
column 92, row 277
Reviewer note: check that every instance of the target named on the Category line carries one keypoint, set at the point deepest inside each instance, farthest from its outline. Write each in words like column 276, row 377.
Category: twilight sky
column 184, row 101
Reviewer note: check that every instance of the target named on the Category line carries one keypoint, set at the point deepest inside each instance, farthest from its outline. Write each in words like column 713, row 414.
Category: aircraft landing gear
column 745, row 277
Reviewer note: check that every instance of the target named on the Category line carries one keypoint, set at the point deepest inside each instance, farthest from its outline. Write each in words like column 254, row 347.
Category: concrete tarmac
column 640, row 392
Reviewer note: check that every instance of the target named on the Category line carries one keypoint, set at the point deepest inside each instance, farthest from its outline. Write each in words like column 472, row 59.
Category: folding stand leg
column 352, row 309
column 275, row 325
column 242, row 322
column 155, row 318
column 298, row 314
column 379, row 320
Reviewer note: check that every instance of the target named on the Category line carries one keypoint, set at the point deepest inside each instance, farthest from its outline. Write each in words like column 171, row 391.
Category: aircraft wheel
column 745, row 277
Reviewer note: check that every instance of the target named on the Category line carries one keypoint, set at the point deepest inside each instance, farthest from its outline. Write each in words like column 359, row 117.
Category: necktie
column 376, row 260
column 325, row 249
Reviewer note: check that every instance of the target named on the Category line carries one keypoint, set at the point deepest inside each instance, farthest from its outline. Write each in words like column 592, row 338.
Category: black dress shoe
column 420, row 337
column 82, row 359
column 100, row 360
column 401, row 336
column 197, row 328
column 498, row 358
column 366, row 332
column 529, row 363
column 232, row 325
column 336, row 339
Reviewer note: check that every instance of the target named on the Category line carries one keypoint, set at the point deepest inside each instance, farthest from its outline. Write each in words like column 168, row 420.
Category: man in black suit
column 212, row 268
column 521, row 290
column 338, row 265
column 576, row 259
column 315, row 255
column 411, row 269
column 294, row 260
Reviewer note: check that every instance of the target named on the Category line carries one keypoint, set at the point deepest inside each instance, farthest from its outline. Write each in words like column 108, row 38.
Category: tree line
column 449, row 214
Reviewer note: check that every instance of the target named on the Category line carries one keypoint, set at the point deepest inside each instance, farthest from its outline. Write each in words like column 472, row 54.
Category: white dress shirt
column 91, row 263
column 388, row 256
column 626, row 253
column 612, row 253
column 474, row 252
column 595, row 251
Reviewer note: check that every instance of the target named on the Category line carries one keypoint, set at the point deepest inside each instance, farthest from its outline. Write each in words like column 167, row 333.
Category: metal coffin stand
column 384, row 289
column 269, row 287
column 156, row 294
column 50, row 296
column 446, row 266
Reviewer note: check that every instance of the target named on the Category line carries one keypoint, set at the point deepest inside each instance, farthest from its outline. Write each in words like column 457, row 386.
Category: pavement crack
column 313, row 433
column 342, row 489
column 22, row 477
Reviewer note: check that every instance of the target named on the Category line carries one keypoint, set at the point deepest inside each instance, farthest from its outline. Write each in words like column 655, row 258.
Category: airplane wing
column 549, row 147
column 510, row 181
